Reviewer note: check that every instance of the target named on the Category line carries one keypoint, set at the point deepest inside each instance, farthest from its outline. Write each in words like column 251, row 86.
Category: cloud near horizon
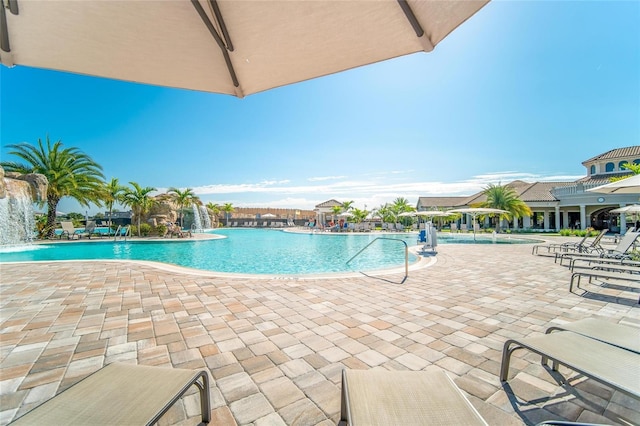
column 375, row 190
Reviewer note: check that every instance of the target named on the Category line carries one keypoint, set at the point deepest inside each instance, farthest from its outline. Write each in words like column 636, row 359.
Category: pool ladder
column 406, row 253
column 118, row 233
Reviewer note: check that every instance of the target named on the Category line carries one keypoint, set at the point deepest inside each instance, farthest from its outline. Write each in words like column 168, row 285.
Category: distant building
column 119, row 218
column 558, row 205
column 325, row 210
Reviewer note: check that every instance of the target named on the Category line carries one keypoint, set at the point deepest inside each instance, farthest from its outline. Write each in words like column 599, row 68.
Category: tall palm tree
column 227, row 208
column 183, row 198
column 139, row 200
column 69, row 171
column 112, row 194
column 215, row 210
column 505, row 198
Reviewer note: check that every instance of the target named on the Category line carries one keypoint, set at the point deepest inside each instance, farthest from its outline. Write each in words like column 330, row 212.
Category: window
column 592, row 169
column 622, row 163
column 609, row 167
column 636, row 161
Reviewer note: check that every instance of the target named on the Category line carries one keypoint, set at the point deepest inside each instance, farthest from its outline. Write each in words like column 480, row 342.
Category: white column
column 583, row 217
column 546, row 220
column 623, row 223
column 557, row 218
column 526, row 222
column 565, row 219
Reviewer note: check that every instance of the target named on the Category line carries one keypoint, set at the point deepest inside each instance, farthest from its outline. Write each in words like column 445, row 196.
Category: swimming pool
column 247, row 251
column 250, row 251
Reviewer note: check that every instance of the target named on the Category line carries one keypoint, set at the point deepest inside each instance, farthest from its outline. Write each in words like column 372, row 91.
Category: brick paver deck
column 275, row 348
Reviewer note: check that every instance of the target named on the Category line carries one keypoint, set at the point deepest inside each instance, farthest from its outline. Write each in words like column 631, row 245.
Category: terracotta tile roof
column 616, row 154
column 442, row 201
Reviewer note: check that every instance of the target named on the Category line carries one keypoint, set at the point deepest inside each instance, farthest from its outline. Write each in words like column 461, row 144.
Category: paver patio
column 275, row 348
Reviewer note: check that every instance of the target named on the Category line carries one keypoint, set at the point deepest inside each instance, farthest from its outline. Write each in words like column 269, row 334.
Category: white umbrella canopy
column 268, row 215
column 407, row 214
column 475, row 211
column 630, row 185
column 432, row 213
column 225, row 46
column 633, row 208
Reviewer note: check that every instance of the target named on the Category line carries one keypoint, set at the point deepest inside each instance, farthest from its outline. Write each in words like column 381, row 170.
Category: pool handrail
column 406, row 253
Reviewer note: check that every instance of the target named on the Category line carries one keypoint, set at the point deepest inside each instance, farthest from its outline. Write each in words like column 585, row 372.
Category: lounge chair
column 576, row 247
column 620, row 251
column 605, row 331
column 121, row 394
column 69, row 230
column 90, row 230
column 606, row 363
column 606, row 272
column 382, row 397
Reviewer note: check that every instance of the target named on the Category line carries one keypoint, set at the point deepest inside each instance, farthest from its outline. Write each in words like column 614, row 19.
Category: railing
column 118, row 233
column 579, row 188
column 406, row 253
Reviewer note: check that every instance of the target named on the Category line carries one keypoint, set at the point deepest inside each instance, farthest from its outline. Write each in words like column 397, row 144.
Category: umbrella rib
column 411, row 17
column 4, row 32
column 223, row 26
column 216, row 36
column 13, row 6
column 423, row 38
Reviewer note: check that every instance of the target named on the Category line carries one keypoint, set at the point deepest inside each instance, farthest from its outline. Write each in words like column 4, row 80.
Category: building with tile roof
column 558, row 205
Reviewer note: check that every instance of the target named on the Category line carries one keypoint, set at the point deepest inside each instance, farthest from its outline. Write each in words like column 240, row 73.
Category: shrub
column 145, row 229
column 161, row 230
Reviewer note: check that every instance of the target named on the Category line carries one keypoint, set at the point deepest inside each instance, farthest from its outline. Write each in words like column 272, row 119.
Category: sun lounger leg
column 205, row 403
column 506, row 359
column 344, row 406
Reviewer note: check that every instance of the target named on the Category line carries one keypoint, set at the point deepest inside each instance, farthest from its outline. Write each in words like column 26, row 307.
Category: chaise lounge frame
column 121, row 394
column 603, row 362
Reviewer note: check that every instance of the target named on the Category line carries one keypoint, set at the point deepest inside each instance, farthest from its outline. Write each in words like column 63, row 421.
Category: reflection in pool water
column 253, row 251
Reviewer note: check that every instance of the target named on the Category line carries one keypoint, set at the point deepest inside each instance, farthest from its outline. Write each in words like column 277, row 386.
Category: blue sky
column 523, row 90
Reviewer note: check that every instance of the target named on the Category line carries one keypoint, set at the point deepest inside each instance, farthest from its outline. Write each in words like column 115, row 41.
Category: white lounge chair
column 69, row 231
column 382, row 398
column 121, row 394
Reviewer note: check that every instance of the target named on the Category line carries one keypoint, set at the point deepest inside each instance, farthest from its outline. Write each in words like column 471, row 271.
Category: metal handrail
column 115, row 234
column 119, row 232
column 406, row 253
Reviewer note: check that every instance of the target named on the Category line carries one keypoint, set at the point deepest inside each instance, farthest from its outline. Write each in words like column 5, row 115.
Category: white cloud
column 323, row 178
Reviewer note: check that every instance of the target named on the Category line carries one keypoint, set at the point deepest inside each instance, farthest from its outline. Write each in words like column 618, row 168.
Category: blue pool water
column 252, row 251
column 249, row 251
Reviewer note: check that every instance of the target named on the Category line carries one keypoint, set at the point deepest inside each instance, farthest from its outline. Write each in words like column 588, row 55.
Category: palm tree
column 215, row 209
column 505, row 198
column 635, row 169
column 139, row 200
column 347, row 205
column 386, row 213
column 112, row 194
column 359, row 215
column 69, row 171
column 183, row 198
column 227, row 209
column 336, row 210
column 401, row 205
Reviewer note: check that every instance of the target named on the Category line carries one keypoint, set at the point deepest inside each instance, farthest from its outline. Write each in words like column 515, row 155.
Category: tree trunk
column 52, row 205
